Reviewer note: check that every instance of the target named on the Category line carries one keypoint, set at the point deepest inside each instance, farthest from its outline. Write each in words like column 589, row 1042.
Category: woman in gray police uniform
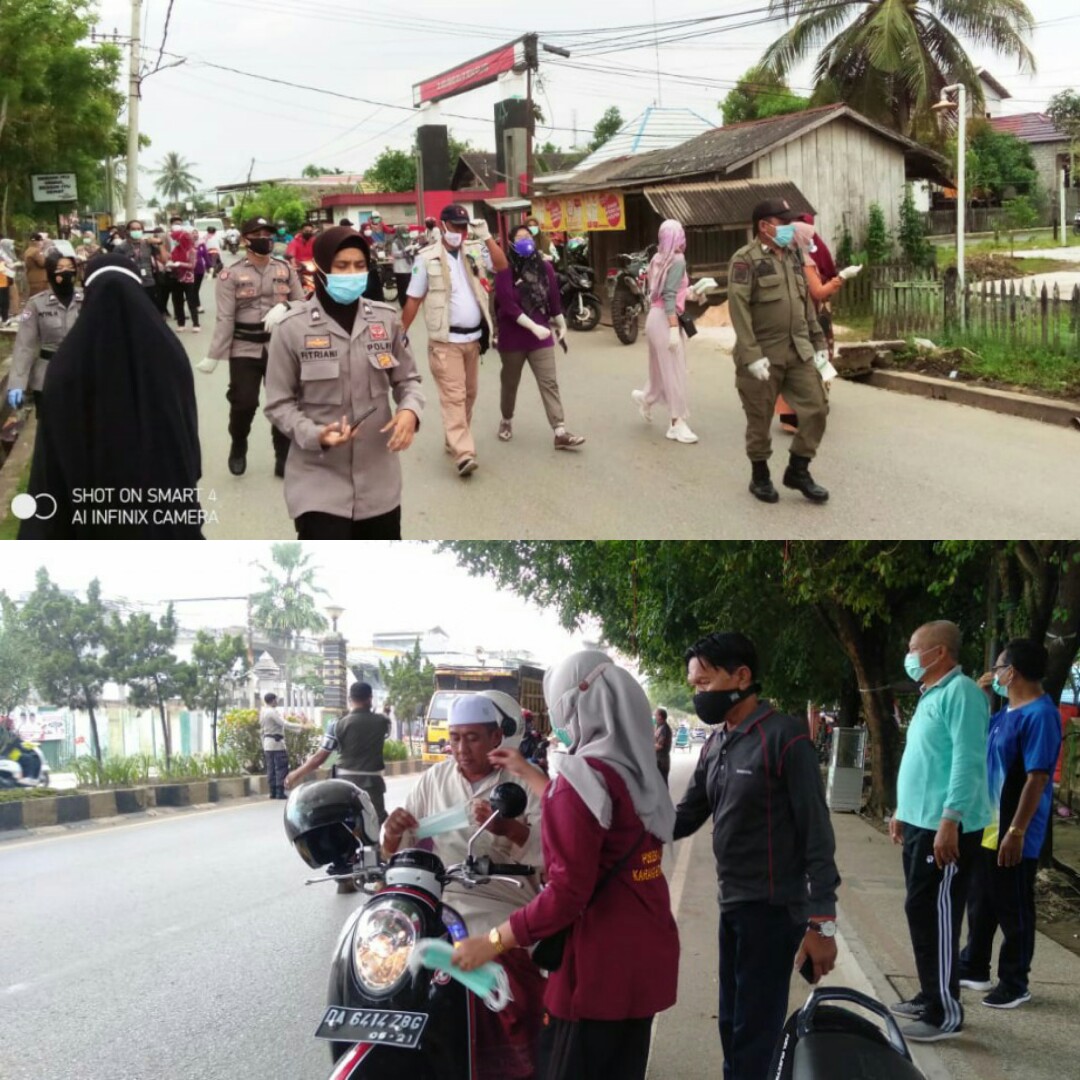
column 334, row 362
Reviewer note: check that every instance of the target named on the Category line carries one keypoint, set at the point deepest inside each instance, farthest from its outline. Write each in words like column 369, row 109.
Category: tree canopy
column 409, row 682
column 606, row 127
column 758, row 95
column 999, row 165
column 890, row 61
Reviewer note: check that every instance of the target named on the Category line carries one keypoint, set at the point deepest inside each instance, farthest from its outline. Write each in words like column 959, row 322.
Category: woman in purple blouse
column 527, row 307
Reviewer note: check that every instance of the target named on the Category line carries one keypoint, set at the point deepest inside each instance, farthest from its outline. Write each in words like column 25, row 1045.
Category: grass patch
column 21, row 794
column 998, row 363
column 853, row 327
column 9, row 524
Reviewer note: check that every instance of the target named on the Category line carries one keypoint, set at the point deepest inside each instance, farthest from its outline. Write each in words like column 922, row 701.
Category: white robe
column 442, row 787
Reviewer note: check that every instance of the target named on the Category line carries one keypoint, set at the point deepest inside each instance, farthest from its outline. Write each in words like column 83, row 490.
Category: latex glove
column 702, row 286
column 674, row 337
column 275, row 315
column 759, row 369
column 559, row 323
column 849, row 272
column 207, row 365
column 15, row 398
column 480, row 230
column 537, row 330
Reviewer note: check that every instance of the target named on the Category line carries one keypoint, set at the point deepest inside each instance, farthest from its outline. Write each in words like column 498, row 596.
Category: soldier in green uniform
column 252, row 297
column 779, row 344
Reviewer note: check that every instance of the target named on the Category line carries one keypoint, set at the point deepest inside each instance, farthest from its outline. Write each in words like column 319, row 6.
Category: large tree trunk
column 95, row 741
column 865, row 648
column 164, row 725
column 850, row 699
column 1062, row 634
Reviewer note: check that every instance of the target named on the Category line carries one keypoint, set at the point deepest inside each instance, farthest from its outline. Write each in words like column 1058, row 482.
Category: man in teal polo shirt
column 942, row 807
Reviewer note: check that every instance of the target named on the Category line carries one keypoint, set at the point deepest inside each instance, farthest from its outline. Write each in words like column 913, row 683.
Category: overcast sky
column 220, row 120
column 383, row 587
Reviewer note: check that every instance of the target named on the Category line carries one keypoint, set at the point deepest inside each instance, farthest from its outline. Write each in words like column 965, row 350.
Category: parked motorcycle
column 577, row 283
column 22, row 764
column 386, row 276
column 307, row 278
column 824, row 1042
column 387, row 1016
column 628, row 287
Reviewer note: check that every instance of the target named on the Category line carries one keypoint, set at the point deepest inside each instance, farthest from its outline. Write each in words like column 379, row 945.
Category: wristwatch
column 496, row 939
column 1014, row 831
column 826, row 928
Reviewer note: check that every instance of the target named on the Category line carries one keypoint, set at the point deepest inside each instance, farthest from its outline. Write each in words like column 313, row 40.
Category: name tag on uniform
column 378, row 332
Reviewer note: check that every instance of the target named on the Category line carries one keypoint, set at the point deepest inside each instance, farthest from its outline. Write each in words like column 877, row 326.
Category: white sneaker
column 643, row 406
column 680, row 432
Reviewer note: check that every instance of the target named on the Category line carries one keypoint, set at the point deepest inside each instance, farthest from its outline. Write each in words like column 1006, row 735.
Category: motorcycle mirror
column 508, row 800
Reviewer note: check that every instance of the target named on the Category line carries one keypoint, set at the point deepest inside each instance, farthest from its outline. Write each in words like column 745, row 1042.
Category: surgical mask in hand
column 489, row 982
column 525, row 247
column 457, row 817
column 785, row 235
column 453, row 239
column 346, row 288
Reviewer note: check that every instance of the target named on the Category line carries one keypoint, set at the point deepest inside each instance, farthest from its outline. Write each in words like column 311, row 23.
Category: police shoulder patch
column 384, row 305
column 740, row 273
column 223, row 276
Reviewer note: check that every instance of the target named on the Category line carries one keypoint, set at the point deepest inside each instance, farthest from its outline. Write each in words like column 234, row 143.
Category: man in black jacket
column 758, row 778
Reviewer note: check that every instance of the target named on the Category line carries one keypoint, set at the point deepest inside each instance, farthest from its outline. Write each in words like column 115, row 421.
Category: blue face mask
column 1001, row 691
column 785, row 235
column 525, row 247
column 346, row 288
column 914, row 669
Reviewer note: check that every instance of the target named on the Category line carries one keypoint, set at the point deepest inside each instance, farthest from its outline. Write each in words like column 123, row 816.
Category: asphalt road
column 177, row 948
column 895, row 465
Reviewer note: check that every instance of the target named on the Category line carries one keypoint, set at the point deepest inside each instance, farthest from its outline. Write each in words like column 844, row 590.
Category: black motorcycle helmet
column 327, row 820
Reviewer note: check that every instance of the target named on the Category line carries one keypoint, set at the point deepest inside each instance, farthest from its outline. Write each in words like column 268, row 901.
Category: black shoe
column 237, row 460
column 1001, row 997
column 761, row 485
column 279, row 467
column 797, row 476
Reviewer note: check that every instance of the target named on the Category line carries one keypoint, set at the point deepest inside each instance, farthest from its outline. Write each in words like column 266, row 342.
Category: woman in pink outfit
column 182, row 284
column 668, row 285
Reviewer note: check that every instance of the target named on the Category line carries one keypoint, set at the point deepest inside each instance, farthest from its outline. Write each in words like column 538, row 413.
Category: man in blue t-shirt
column 1021, row 754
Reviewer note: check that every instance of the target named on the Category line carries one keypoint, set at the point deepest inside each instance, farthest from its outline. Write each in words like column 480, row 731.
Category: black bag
column 548, row 953
column 687, row 324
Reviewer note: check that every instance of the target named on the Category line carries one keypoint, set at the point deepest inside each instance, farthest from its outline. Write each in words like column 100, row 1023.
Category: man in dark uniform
column 252, row 297
column 779, row 348
column 662, row 740
column 358, row 738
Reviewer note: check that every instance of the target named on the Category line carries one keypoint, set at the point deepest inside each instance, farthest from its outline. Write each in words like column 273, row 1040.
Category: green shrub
column 239, row 733
column 394, row 750
column 878, row 241
column 845, row 250
column 912, row 235
column 19, row 794
column 119, row 771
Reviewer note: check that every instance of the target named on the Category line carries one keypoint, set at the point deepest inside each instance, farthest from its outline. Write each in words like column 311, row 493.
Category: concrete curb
column 1006, row 402
column 85, row 806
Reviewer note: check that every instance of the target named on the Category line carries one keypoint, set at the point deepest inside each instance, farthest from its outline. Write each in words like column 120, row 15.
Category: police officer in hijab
column 117, row 453
column 334, row 363
column 43, row 324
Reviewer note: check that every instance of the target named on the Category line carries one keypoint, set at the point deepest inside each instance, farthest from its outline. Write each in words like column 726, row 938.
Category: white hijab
column 608, row 718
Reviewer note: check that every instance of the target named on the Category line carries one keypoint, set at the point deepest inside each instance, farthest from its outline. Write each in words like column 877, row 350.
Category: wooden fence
column 1021, row 313
column 856, row 298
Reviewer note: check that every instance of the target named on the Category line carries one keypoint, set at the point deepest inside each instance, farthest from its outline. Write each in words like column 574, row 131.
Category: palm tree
column 889, row 59
column 174, row 177
column 286, row 606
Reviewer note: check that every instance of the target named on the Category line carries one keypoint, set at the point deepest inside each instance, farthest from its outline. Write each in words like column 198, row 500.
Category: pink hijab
column 671, row 242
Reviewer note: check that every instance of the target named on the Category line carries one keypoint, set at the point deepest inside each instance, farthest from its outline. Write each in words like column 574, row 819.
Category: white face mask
column 453, row 239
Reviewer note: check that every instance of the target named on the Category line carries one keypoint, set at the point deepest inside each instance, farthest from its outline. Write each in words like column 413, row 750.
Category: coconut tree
column 174, row 177
column 889, row 59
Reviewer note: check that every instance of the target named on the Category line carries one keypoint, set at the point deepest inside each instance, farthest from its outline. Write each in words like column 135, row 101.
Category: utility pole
column 132, row 186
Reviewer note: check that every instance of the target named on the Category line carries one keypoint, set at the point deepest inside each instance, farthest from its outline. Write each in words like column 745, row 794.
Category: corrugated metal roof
column 653, row 129
column 722, row 202
column 1031, row 127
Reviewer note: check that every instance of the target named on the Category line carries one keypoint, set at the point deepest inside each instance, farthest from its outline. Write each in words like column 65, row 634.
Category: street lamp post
column 960, row 105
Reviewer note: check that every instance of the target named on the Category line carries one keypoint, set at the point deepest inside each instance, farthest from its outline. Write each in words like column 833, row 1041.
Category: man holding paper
column 445, row 807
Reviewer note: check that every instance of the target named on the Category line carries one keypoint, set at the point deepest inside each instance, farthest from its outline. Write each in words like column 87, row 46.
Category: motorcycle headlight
column 383, row 941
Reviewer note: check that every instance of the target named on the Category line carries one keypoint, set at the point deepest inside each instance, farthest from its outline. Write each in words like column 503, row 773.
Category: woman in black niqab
column 119, row 413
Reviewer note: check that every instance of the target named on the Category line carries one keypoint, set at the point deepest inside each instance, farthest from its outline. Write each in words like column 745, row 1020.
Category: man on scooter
column 506, row 1040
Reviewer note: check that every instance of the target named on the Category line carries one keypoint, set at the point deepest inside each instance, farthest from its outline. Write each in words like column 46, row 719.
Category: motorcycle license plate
column 401, row 1029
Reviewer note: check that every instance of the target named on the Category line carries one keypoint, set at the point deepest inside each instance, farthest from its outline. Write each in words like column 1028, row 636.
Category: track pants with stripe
column 935, row 909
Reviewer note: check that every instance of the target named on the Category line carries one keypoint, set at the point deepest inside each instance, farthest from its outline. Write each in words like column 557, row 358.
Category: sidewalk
column 1034, row 1042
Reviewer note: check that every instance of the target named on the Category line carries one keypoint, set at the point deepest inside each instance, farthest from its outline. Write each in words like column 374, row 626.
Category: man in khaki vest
column 452, row 278
column 779, row 349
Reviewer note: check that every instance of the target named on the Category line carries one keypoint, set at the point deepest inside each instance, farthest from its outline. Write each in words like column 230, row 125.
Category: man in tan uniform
column 778, row 342
column 453, row 280
column 252, row 296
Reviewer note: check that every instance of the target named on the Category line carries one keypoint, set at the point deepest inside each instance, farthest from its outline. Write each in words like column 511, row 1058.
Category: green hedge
column 239, row 733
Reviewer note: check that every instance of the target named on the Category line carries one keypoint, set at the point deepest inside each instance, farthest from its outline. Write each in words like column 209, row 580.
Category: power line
column 164, row 35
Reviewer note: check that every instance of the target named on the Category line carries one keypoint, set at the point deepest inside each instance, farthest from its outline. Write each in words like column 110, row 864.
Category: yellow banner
column 595, row 211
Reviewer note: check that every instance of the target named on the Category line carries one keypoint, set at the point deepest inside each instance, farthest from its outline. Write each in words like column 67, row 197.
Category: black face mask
column 64, row 282
column 261, row 245
column 712, row 706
